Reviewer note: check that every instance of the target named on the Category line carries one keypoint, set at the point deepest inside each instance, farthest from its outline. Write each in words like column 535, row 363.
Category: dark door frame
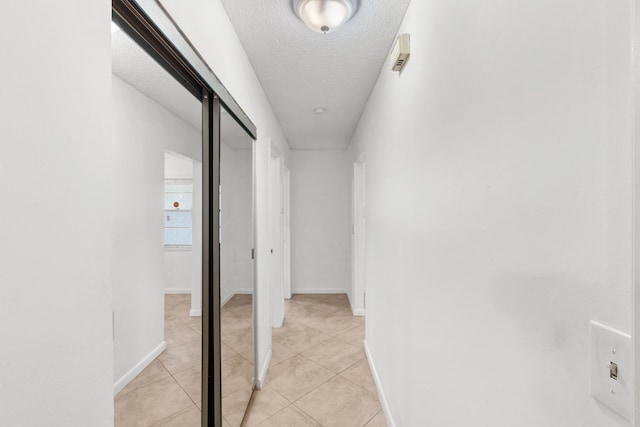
column 149, row 25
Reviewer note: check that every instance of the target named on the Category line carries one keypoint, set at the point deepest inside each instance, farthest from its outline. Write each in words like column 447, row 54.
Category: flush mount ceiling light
column 325, row 16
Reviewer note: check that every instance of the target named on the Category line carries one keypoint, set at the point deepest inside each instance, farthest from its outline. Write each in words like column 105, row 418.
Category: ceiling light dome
column 325, row 16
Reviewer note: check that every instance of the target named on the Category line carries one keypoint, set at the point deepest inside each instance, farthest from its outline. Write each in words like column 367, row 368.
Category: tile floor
column 237, row 358
column 167, row 392
column 319, row 375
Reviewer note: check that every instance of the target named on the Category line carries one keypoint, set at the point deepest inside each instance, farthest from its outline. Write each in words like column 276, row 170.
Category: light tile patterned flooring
column 237, row 358
column 319, row 375
column 168, row 392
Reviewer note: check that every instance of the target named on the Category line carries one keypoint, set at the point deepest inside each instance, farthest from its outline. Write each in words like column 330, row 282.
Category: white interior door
column 276, row 250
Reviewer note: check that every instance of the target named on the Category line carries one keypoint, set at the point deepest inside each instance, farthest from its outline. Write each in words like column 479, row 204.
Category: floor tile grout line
column 171, row 374
column 369, row 420
column 139, row 387
column 317, row 387
column 356, row 384
column 288, row 406
column 329, row 379
column 152, row 382
column 182, row 388
column 328, row 368
column 307, row 414
column 180, row 371
column 346, row 379
column 168, row 371
column 194, row 329
column 177, row 412
column 172, row 415
column 335, row 336
column 308, row 324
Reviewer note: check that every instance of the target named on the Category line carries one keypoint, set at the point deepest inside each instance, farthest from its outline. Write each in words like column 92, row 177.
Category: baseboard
column 177, row 291
column 195, row 312
column 381, row 395
column 139, row 367
column 233, row 294
column 358, row 312
column 318, row 291
column 226, row 299
column 262, row 375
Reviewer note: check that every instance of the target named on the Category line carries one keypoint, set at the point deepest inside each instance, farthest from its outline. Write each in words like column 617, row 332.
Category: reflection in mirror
column 157, row 229
column 236, row 269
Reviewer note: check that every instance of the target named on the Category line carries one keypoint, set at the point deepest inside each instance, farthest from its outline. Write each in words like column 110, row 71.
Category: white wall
column 142, row 132
column 320, row 221
column 203, row 21
column 498, row 211
column 236, row 265
column 196, row 248
column 56, row 362
column 177, row 167
column 179, row 270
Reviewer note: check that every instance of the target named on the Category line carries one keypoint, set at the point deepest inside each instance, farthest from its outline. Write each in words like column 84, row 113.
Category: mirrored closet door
column 236, row 268
column 181, row 359
column 157, row 151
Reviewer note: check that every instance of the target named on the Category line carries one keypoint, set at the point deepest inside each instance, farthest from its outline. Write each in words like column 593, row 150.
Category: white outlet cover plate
column 610, row 345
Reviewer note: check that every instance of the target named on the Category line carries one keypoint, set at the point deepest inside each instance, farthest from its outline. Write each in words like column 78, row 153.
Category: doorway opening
column 358, row 239
column 277, row 222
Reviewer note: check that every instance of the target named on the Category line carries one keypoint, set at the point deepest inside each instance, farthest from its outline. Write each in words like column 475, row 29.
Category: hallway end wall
column 236, row 265
column 320, row 221
column 498, row 211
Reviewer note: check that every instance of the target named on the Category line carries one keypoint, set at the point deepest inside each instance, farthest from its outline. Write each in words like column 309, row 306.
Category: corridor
column 319, row 374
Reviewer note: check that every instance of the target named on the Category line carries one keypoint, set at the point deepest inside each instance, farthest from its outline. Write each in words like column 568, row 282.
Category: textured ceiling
column 138, row 69
column 301, row 70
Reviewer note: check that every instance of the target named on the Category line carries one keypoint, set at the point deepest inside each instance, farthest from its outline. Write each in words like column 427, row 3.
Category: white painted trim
column 256, row 252
column 381, row 395
column 195, row 312
column 276, row 235
column 358, row 312
column 183, row 248
column 226, row 299
column 177, row 291
column 358, row 235
column 319, row 291
column 287, row 231
column 635, row 195
column 262, row 376
column 139, row 367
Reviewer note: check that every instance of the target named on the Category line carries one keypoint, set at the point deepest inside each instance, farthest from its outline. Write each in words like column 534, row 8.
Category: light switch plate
column 611, row 346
